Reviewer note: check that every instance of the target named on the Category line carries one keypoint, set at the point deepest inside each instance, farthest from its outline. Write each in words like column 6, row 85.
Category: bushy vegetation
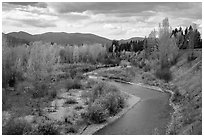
column 86, row 53
column 33, row 63
column 71, row 129
column 73, row 84
column 17, row 127
column 103, row 100
column 123, row 74
column 46, row 128
column 133, row 46
column 164, row 74
column 71, row 101
column 14, row 61
column 39, row 61
column 97, row 113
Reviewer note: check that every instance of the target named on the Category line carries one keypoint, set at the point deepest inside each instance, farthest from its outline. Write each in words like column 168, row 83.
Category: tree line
column 190, row 38
column 132, row 46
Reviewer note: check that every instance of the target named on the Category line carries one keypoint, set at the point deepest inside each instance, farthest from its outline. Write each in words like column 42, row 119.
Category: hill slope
column 131, row 39
column 187, row 118
column 62, row 38
column 12, row 41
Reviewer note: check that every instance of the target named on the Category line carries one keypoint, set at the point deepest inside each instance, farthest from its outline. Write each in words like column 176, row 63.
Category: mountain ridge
column 67, row 38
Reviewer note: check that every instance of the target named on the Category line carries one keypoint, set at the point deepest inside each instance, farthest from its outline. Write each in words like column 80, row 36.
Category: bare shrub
column 40, row 89
column 114, row 102
column 96, row 113
column 71, row 101
column 71, row 129
column 46, row 128
column 164, row 74
column 14, row 61
column 73, row 84
column 103, row 100
column 17, row 127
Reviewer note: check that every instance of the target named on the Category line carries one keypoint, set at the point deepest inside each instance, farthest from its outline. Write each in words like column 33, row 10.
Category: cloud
column 21, row 3
column 74, row 16
column 35, row 4
column 38, row 23
column 102, row 7
column 25, row 17
column 127, row 8
column 113, row 20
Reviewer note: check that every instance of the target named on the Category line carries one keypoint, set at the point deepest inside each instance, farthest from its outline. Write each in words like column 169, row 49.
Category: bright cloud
column 111, row 20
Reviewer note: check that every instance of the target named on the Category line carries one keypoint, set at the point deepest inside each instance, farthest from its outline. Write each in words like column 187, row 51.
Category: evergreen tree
column 186, row 31
column 197, row 39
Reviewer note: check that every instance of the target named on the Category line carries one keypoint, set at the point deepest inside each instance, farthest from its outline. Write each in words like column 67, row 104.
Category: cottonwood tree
column 42, row 60
column 146, row 49
column 168, row 49
column 76, row 54
column 190, row 45
column 153, row 34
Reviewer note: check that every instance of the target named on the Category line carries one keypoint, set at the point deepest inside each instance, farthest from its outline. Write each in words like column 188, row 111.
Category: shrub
column 121, row 101
column 52, row 93
column 17, row 127
column 113, row 102
column 73, row 72
column 103, row 100
column 147, row 67
column 79, row 107
column 71, row 101
column 148, row 77
column 46, row 129
column 6, row 116
column 164, row 74
column 191, row 57
column 177, row 95
column 62, row 54
column 13, row 64
column 77, row 83
column 73, row 84
column 5, row 103
column 97, row 113
column 40, row 89
column 71, row 129
column 22, row 87
column 141, row 64
column 90, row 83
column 97, row 91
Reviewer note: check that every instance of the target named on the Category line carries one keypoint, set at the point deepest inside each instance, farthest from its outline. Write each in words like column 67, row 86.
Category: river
column 150, row 116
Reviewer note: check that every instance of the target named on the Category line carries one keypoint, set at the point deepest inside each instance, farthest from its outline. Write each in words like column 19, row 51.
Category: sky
column 113, row 20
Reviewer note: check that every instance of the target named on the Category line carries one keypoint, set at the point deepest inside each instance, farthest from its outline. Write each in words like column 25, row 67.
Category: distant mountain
column 62, row 38
column 10, row 41
column 131, row 39
column 67, row 38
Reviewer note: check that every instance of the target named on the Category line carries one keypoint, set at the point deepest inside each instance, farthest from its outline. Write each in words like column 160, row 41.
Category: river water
column 150, row 116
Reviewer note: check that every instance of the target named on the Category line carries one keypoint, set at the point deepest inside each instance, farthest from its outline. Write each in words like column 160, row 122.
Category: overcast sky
column 110, row 20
